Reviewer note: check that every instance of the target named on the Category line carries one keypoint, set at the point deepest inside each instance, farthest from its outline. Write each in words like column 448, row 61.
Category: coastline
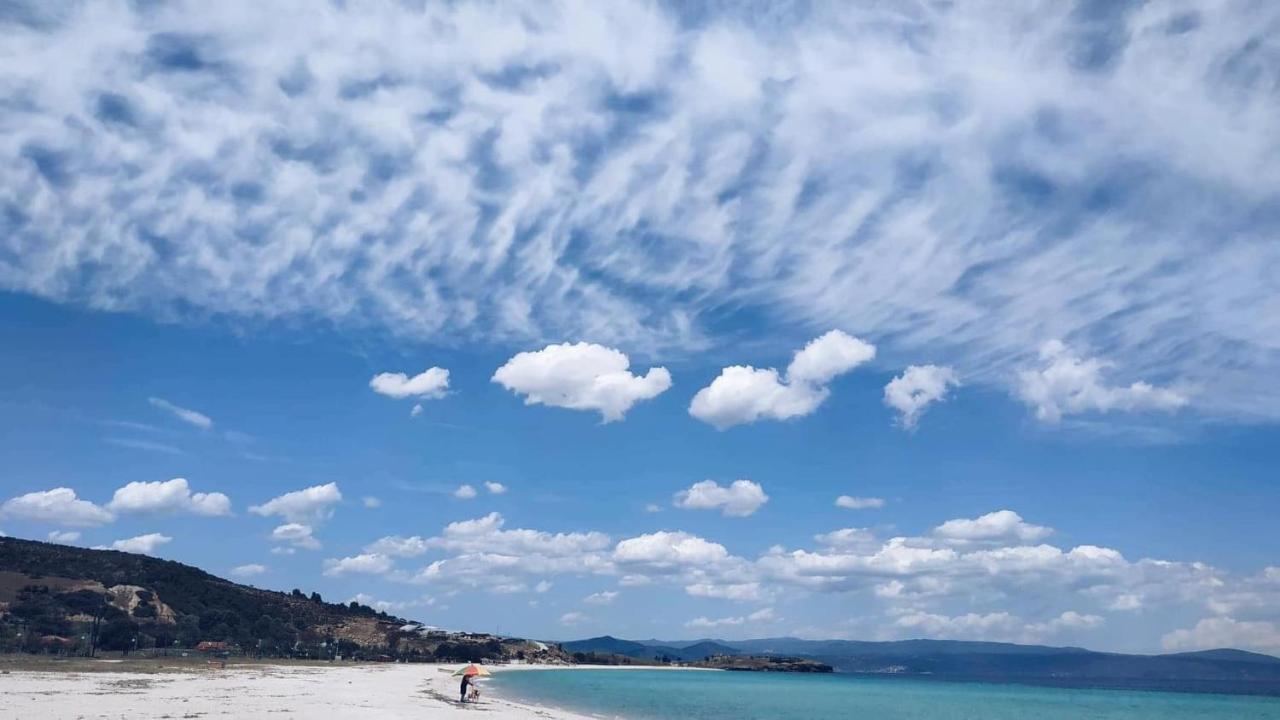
column 259, row 690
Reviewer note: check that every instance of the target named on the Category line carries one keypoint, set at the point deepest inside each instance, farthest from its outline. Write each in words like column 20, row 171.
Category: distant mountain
column 1223, row 670
column 608, row 645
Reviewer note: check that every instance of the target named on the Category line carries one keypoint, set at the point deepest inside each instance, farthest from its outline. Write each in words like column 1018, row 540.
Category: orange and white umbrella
column 472, row 670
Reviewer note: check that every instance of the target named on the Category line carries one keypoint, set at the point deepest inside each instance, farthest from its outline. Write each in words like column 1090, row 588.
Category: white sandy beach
column 386, row 692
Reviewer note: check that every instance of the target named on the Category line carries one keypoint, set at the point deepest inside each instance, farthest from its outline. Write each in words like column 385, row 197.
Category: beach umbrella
column 472, row 671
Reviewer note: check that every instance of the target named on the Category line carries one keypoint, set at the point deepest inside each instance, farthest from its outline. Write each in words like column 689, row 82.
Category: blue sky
column 662, row 287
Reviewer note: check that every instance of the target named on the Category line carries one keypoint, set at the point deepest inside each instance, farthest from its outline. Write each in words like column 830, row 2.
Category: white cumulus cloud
column 64, row 537
column 364, row 564
column 465, row 492
column 916, row 388
column 1000, row 525
column 495, row 488
column 307, row 505
column 1068, row 385
column 142, row 544
column 296, row 535
column 739, row 499
column 430, row 384
column 249, row 570
column 171, row 496
column 583, row 376
column 744, row 394
column 604, row 597
column 852, row 502
column 58, row 506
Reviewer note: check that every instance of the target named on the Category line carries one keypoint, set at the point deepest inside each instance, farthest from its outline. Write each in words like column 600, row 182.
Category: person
column 466, row 680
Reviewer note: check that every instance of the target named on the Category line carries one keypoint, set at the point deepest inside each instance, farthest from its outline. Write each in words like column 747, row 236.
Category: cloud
column 169, row 496
column 851, row 502
column 573, row 618
column 604, row 597
column 397, row 546
column 915, row 389
column 297, row 535
column 630, row 191
column 1222, row 632
column 743, row 394
column 307, row 505
column 760, row 616
column 142, row 544
column 465, row 492
column 365, row 564
column 191, row 417
column 740, row 499
column 495, row 488
column 430, row 384
column 664, row 550
column 848, row 539
column 370, row 502
column 996, row 526
column 248, row 571
column 749, row 591
column 584, row 376
column 58, row 506
column 64, row 537
column 1070, row 385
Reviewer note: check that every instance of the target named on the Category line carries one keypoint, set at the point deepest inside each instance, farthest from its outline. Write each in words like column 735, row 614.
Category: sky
column 858, row 320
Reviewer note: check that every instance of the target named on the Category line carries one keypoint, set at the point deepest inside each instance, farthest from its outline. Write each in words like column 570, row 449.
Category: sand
column 335, row 692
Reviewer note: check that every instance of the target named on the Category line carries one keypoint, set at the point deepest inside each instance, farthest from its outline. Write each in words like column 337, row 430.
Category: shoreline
column 148, row 689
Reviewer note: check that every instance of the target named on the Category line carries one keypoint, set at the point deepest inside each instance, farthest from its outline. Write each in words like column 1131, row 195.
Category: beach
column 251, row 690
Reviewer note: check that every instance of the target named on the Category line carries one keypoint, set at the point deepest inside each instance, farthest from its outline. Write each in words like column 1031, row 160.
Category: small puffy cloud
column 430, row 384
column 759, row 616
column 572, row 618
column 744, row 394
column 542, row 586
column 604, row 597
column 396, row 546
column 848, row 539
column 172, row 496
column 64, row 537
column 142, row 544
column 248, row 571
column 1069, row 620
column 726, row 591
column 1002, row 525
column 297, row 535
column 851, row 502
column 1220, row 632
column 58, row 506
column 186, row 415
column 583, row 376
column 416, row 410
column 465, row 492
column 827, row 357
column 309, row 504
column 370, row 502
column 916, row 388
column 669, row 550
column 740, row 499
column 495, row 488
column 653, row 508
column 1068, row 384
column 365, row 564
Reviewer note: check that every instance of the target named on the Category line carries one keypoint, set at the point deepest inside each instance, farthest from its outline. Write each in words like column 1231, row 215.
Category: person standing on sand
column 466, row 680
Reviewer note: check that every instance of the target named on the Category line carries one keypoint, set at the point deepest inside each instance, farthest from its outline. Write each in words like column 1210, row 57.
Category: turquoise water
column 672, row 695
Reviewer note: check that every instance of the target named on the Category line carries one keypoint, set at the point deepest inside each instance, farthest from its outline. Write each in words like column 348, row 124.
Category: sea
column 685, row 695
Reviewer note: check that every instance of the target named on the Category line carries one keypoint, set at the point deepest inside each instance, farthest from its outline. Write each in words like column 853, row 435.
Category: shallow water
column 672, row 695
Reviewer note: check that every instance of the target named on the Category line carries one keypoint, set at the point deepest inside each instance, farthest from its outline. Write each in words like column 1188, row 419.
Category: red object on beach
column 472, row 671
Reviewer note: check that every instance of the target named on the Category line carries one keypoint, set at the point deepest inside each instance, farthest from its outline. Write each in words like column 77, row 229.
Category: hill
column 52, row 596
column 683, row 652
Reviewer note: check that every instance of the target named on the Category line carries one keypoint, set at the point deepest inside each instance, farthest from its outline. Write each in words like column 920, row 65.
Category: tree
column 315, row 597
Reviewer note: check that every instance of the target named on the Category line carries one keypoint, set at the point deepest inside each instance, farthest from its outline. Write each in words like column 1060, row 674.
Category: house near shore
column 212, row 646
